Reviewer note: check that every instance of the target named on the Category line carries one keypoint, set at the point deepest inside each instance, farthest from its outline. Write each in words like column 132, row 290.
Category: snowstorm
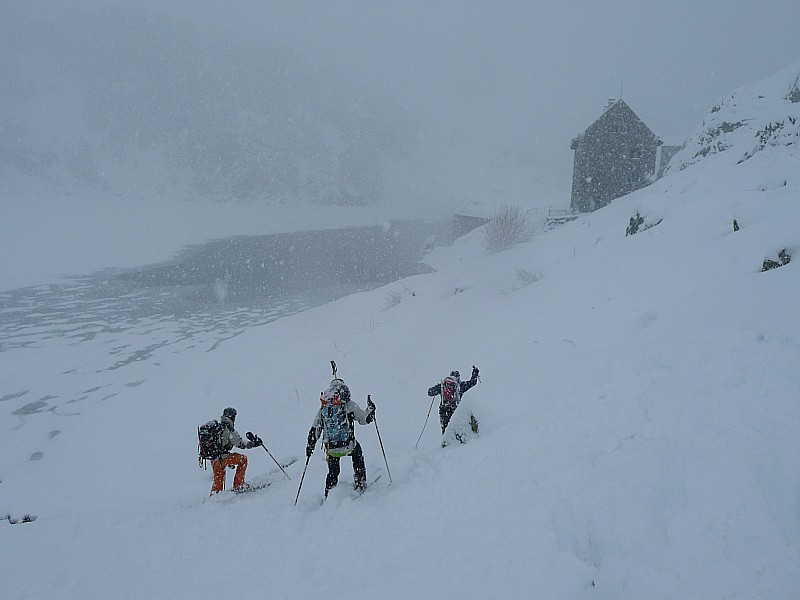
column 588, row 208
column 414, row 104
column 153, row 116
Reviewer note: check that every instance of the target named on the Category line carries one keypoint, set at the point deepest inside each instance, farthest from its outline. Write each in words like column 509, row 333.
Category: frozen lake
column 210, row 292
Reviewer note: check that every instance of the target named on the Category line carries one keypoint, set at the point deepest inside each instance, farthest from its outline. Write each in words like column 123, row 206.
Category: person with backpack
column 451, row 389
column 227, row 439
column 335, row 421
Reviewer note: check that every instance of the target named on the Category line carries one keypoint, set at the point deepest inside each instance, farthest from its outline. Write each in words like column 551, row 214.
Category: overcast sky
column 536, row 72
column 532, row 73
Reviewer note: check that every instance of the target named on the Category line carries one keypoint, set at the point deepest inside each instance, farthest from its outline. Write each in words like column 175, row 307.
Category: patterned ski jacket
column 230, row 438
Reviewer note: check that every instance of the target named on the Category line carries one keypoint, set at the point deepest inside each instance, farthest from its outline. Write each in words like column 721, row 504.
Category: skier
column 229, row 439
column 336, row 420
column 451, row 388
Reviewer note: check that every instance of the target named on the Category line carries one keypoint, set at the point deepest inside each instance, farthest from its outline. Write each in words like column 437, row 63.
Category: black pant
column 445, row 412
column 359, row 469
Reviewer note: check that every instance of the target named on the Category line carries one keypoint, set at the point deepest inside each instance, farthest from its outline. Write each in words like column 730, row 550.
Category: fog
column 411, row 103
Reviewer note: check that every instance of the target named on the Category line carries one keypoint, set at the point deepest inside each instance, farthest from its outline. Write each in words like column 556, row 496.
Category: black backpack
column 209, row 442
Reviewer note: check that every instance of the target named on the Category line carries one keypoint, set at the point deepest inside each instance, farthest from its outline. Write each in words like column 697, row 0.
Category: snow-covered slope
column 763, row 115
column 638, row 411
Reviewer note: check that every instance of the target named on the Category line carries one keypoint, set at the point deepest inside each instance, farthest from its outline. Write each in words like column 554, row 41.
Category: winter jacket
column 463, row 386
column 354, row 413
column 230, row 438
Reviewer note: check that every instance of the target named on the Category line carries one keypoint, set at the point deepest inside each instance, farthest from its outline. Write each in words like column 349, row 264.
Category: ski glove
column 255, row 441
column 370, row 410
column 475, row 371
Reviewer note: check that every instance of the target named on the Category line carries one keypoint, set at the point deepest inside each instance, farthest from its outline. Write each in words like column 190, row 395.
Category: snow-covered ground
column 639, row 407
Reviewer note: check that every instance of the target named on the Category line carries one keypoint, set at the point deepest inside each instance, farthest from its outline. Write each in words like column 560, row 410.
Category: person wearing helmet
column 451, row 388
column 229, row 439
column 335, row 422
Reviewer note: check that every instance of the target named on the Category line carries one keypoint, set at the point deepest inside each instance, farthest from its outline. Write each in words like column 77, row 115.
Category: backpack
column 209, row 441
column 338, row 428
column 450, row 391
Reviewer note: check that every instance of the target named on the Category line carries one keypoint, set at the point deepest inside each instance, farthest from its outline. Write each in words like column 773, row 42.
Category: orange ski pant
column 234, row 459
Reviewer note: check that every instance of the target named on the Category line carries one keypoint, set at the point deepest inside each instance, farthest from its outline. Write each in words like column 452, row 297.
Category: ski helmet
column 455, row 374
column 229, row 412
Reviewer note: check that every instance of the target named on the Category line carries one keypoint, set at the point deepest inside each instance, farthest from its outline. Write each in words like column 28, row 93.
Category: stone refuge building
column 616, row 155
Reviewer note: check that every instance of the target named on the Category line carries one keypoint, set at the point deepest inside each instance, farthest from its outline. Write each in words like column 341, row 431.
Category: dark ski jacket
column 463, row 386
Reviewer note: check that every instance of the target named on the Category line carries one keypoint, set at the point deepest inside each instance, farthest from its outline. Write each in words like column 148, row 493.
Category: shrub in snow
column 463, row 427
column 636, row 222
column 524, row 277
column 784, row 258
column 508, row 227
column 633, row 225
column 396, row 296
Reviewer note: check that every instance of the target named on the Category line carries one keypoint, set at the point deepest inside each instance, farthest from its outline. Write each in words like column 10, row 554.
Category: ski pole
column 301, row 480
column 378, row 431
column 251, row 437
column 426, row 422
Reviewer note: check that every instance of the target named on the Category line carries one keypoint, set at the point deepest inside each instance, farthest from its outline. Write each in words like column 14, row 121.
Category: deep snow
column 639, row 409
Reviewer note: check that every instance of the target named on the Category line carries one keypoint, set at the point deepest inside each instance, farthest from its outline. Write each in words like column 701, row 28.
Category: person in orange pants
column 231, row 438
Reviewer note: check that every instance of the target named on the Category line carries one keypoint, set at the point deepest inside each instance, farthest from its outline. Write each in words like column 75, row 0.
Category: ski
column 252, row 488
column 284, row 465
column 375, row 479
column 260, row 483
column 288, row 463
